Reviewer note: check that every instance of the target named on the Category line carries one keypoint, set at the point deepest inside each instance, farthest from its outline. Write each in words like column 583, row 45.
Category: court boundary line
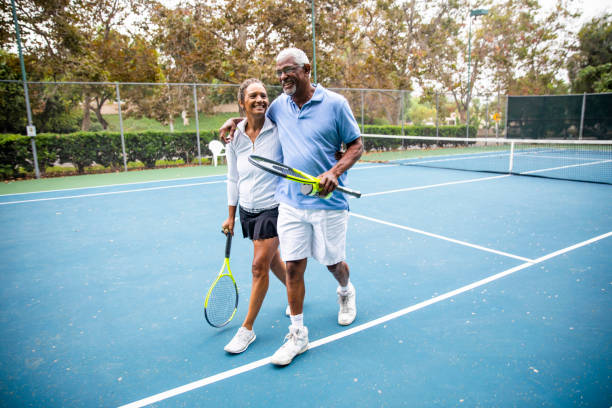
column 450, row 183
column 112, row 185
column 111, row 193
column 220, row 181
column 442, row 237
column 364, row 326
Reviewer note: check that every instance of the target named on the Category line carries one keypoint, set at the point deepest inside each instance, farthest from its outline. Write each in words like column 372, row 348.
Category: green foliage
column 395, row 143
column 590, row 70
column 93, row 151
column 13, row 155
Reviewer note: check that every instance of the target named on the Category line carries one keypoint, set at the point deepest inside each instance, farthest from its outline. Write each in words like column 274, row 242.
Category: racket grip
column 349, row 191
column 307, row 189
column 228, row 244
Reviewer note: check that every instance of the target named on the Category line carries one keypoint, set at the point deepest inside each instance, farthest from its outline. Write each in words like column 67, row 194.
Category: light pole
column 314, row 46
column 473, row 13
column 31, row 129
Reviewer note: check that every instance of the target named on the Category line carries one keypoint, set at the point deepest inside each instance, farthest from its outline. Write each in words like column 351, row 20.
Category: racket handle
column 307, row 189
column 228, row 244
column 349, row 191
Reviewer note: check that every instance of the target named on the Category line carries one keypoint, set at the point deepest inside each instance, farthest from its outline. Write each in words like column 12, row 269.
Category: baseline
column 376, row 322
column 137, row 190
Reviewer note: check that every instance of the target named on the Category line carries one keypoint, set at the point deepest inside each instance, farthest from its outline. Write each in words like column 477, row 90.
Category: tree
column 590, row 69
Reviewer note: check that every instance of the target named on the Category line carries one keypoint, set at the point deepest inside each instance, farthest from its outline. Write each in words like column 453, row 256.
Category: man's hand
column 226, row 132
column 327, row 183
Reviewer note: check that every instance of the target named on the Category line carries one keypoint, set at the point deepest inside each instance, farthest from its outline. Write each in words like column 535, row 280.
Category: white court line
column 434, row 185
column 566, row 167
column 110, row 185
column 455, row 241
column 334, row 337
column 111, row 193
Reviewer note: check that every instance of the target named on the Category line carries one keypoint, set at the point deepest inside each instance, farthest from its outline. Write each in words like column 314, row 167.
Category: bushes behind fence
column 84, row 149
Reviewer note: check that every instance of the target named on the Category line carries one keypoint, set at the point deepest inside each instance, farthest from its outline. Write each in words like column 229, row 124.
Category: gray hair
column 298, row 55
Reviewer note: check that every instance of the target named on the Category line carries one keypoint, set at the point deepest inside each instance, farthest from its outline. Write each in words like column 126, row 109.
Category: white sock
column 297, row 320
column 344, row 290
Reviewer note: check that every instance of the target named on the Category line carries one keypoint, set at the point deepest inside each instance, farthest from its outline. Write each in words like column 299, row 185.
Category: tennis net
column 580, row 160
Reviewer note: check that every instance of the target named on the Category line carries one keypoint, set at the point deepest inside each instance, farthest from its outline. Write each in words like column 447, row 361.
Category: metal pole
column 437, row 108
column 402, row 110
column 488, row 119
column 467, row 121
column 314, row 46
column 31, row 129
column 582, row 116
column 362, row 103
column 498, row 109
column 195, row 105
column 121, row 126
column 506, row 117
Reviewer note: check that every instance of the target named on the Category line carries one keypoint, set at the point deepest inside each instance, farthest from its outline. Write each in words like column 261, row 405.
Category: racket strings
column 221, row 302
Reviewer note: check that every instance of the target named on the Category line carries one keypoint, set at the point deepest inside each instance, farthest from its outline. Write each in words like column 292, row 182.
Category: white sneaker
column 348, row 307
column 296, row 342
column 288, row 311
column 241, row 341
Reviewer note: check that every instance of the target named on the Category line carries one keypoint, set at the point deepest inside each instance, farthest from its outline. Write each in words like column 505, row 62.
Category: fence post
column 195, row 105
column 362, row 103
column 402, row 109
column 121, row 127
column 437, row 108
column 31, row 129
column 506, row 116
column 488, row 119
column 582, row 116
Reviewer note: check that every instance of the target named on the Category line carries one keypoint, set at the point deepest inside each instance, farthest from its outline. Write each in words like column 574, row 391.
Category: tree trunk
column 86, row 114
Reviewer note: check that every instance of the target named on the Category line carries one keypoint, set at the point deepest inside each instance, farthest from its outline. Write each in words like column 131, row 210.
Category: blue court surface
column 473, row 290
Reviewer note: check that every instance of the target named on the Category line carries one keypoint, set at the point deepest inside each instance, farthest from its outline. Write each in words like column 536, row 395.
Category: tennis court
column 473, row 289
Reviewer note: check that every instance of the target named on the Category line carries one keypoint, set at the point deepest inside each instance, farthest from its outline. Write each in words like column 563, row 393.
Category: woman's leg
column 265, row 250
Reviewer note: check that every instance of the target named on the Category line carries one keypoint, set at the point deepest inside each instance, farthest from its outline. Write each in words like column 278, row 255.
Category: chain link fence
column 63, row 108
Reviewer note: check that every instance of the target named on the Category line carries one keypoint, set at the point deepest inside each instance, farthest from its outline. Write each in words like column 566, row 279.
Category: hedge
column 412, row 130
column 83, row 149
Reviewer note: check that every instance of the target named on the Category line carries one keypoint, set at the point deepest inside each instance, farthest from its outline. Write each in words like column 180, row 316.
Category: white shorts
column 319, row 234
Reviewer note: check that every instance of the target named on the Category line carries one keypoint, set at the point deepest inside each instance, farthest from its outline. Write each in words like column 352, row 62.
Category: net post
column 511, row 165
column 121, row 126
column 582, row 116
column 197, row 121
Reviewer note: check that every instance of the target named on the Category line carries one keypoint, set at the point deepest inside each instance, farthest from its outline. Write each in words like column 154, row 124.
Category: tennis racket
column 310, row 183
column 222, row 298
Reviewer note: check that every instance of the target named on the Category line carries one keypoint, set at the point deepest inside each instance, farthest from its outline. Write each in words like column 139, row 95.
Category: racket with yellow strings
column 221, row 301
column 310, row 184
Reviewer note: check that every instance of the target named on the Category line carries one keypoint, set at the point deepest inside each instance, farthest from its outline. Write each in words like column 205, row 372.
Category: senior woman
column 252, row 190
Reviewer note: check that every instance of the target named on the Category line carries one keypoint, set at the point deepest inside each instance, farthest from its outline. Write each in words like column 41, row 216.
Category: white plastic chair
column 217, row 148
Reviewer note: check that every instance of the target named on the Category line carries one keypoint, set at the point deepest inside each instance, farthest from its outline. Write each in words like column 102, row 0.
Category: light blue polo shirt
column 309, row 139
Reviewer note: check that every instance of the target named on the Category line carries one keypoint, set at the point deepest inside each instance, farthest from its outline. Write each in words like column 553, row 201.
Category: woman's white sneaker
column 241, row 341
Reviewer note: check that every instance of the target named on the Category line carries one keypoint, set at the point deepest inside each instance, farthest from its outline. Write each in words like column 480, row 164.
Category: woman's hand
column 228, row 225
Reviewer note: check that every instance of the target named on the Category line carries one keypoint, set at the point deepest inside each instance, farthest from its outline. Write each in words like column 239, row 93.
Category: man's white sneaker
column 241, row 341
column 348, row 307
column 288, row 311
column 296, row 342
